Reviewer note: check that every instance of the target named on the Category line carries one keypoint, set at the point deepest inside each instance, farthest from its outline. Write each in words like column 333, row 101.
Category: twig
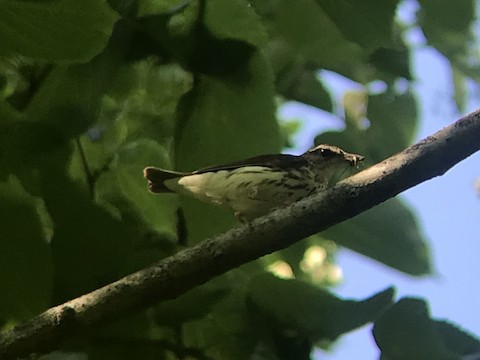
column 89, row 177
column 194, row 266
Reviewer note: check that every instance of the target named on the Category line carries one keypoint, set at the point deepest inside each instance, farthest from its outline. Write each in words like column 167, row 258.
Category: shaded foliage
column 92, row 93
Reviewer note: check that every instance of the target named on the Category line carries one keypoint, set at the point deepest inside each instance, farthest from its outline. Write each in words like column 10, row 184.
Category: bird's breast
column 223, row 186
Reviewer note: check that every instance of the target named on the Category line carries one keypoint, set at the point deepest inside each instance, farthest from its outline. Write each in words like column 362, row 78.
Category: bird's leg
column 240, row 217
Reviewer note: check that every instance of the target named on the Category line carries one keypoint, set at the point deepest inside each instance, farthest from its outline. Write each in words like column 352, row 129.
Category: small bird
column 254, row 187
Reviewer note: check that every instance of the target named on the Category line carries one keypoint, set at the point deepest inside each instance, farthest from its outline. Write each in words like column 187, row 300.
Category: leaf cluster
column 91, row 92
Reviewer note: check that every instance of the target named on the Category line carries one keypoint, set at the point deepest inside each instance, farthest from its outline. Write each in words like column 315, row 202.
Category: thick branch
column 194, row 266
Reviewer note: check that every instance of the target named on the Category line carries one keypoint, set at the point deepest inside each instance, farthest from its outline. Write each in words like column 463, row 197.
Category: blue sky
column 448, row 210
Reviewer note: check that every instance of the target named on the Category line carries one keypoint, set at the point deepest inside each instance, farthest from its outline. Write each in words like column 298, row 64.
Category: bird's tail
column 156, row 178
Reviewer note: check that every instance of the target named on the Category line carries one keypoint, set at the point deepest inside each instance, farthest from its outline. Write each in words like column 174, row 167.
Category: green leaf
column 153, row 98
column 84, row 233
column 193, row 305
column 368, row 23
column 393, row 60
column 222, row 120
column 225, row 332
column 400, row 126
column 406, row 331
column 447, row 25
column 304, row 86
column 310, row 311
column 56, row 31
column 128, row 338
column 12, row 136
column 387, row 233
column 310, row 31
column 66, row 103
column 460, row 89
column 389, row 237
column 124, row 188
column 312, row 37
column 156, row 7
column 234, row 19
column 347, row 37
column 25, row 258
column 128, row 346
column 369, row 139
column 219, row 45
column 69, row 99
column 456, row 339
column 384, row 137
column 295, row 79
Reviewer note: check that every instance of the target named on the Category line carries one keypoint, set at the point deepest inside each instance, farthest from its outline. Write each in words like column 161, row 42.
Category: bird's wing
column 274, row 161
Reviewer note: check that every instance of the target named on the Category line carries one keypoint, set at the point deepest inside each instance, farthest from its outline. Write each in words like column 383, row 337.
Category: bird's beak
column 353, row 159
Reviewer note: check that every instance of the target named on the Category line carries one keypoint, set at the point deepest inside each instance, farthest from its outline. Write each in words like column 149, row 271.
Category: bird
column 256, row 186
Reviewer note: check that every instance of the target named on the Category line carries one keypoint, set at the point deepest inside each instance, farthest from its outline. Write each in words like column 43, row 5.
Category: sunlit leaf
column 355, row 104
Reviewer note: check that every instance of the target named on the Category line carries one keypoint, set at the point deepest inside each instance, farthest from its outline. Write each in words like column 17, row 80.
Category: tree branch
column 191, row 267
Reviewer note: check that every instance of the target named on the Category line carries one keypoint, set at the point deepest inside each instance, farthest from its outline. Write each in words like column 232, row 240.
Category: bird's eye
column 327, row 153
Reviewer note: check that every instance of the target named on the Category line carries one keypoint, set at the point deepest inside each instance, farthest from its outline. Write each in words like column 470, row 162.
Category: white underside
column 238, row 189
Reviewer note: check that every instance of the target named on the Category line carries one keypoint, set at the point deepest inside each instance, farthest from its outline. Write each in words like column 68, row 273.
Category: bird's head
column 329, row 160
